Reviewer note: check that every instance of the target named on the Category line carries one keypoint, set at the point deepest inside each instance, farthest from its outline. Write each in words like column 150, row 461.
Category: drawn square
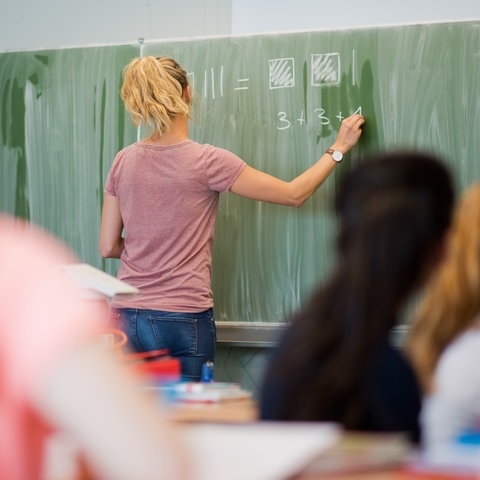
column 325, row 69
column 281, row 72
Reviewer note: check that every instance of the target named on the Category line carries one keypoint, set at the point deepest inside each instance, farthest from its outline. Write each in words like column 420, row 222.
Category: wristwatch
column 337, row 155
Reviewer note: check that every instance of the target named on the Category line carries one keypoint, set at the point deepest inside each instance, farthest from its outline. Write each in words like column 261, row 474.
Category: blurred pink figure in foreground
column 56, row 376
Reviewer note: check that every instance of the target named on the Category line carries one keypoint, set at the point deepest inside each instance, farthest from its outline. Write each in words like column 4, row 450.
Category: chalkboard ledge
column 265, row 334
column 249, row 334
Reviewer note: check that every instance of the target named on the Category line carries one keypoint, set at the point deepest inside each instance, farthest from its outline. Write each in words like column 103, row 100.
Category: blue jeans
column 190, row 337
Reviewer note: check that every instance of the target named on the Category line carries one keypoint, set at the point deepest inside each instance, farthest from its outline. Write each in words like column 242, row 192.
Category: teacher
column 160, row 206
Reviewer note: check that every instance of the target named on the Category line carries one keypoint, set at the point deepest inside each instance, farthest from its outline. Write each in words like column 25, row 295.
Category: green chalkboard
column 61, row 121
column 276, row 101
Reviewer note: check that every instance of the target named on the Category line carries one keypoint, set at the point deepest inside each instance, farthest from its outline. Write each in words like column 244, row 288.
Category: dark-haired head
column 410, row 176
column 394, row 212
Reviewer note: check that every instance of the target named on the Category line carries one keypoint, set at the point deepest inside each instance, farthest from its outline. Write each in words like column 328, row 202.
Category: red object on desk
column 150, row 355
column 162, row 370
column 155, row 365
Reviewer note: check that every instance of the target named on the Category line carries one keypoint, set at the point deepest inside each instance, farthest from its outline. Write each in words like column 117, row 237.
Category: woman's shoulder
column 121, row 154
column 215, row 151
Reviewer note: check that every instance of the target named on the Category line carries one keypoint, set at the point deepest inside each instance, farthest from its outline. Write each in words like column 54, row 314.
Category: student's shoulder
column 456, row 373
column 463, row 350
column 390, row 358
column 391, row 352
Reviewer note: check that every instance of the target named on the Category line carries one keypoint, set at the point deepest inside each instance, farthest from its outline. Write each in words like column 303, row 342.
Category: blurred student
column 56, row 376
column 335, row 361
column 444, row 340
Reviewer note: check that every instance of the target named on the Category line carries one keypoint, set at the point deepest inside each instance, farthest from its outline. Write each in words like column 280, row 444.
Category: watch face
column 337, row 156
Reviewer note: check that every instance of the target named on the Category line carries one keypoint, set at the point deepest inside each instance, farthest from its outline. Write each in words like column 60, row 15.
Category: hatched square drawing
column 281, row 73
column 325, row 69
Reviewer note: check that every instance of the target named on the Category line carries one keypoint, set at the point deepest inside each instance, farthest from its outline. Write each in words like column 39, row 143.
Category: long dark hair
column 393, row 211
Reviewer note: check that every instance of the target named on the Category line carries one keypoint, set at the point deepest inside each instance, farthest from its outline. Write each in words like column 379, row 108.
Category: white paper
column 95, row 280
column 256, row 451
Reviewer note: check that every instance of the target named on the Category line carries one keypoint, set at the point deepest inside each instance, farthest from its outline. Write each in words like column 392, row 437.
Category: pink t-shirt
column 41, row 319
column 168, row 198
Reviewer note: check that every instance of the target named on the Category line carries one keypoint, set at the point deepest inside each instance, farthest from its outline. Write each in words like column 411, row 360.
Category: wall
column 31, row 24
column 253, row 16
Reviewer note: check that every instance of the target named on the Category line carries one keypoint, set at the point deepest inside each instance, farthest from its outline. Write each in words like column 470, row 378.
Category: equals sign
column 242, row 82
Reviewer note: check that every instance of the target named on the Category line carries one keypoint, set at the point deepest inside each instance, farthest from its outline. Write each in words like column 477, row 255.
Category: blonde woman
column 444, row 341
column 164, row 191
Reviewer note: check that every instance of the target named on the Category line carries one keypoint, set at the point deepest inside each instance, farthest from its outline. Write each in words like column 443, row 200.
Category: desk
column 245, row 411
column 235, row 411
column 395, row 474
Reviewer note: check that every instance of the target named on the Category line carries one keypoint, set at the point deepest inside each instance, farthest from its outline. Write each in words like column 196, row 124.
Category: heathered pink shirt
column 168, row 198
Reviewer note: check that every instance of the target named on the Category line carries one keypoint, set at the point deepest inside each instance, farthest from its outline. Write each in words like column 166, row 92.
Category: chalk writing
column 281, row 73
column 242, row 84
column 284, row 122
column 325, row 69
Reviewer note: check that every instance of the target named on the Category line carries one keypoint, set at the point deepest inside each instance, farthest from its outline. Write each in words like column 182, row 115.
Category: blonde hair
column 153, row 92
column 451, row 300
